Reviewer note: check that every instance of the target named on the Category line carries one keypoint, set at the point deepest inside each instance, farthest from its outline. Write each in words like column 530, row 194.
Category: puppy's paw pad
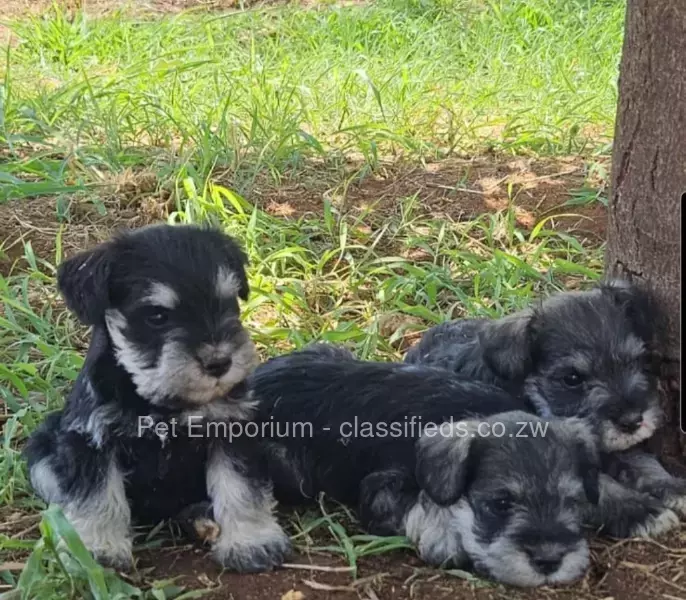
column 252, row 558
column 655, row 525
column 206, row 531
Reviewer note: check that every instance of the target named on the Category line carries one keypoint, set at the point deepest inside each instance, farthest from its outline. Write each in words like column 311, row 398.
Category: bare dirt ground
column 620, row 570
column 458, row 189
column 640, row 571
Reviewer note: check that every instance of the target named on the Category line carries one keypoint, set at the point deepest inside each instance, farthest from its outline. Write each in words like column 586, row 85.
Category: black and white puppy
column 586, row 353
column 373, row 436
column 168, row 353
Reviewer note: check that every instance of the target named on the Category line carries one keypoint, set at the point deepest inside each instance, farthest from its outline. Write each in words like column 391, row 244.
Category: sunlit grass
column 262, row 91
column 213, row 103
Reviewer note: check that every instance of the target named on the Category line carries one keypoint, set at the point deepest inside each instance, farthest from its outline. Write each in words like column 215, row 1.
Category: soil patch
column 461, row 189
column 619, row 571
column 453, row 189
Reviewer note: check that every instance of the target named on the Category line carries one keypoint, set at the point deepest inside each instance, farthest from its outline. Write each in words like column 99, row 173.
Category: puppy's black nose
column 216, row 367
column 630, row 422
column 545, row 560
column 546, row 564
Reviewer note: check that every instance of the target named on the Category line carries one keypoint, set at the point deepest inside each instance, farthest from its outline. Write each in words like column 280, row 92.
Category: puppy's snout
column 630, row 422
column 216, row 366
column 544, row 560
column 547, row 565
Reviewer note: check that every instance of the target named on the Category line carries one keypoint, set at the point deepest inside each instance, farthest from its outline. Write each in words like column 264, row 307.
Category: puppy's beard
column 204, row 389
column 614, row 439
column 500, row 559
column 573, row 565
column 245, row 359
column 176, row 374
column 503, row 559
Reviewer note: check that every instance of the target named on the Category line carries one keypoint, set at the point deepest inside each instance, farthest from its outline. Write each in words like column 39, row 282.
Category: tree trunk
column 649, row 176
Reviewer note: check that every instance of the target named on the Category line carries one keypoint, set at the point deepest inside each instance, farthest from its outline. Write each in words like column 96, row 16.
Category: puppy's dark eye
column 157, row 317
column 501, row 505
column 572, row 379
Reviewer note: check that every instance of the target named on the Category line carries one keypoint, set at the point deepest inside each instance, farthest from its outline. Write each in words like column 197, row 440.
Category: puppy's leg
column 89, row 486
column 643, row 472
column 250, row 539
column 622, row 512
column 385, row 498
column 435, row 530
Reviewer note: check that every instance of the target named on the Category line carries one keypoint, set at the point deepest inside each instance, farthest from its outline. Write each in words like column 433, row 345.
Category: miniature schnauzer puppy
column 168, row 354
column 510, row 502
column 513, row 499
column 588, row 354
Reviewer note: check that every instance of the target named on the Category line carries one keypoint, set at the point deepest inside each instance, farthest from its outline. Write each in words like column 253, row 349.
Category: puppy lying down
column 499, row 493
column 583, row 353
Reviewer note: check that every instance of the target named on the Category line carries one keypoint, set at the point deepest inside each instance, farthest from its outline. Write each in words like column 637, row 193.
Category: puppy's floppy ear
column 640, row 305
column 83, row 281
column 583, row 436
column 443, row 461
column 508, row 345
column 238, row 261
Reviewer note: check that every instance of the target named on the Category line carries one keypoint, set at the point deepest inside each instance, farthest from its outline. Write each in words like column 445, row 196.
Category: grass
column 213, row 104
column 260, row 92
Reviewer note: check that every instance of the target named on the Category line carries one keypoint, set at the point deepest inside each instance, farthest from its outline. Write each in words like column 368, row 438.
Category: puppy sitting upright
column 168, row 353
column 580, row 353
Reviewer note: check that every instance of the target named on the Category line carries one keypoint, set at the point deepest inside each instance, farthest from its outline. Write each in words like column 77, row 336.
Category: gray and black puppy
column 423, row 453
column 587, row 353
column 420, row 453
column 168, row 351
column 507, row 491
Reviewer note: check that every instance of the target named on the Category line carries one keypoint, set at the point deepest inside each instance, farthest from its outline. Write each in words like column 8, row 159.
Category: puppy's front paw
column 655, row 524
column 252, row 551
column 672, row 493
column 432, row 530
column 117, row 556
column 627, row 513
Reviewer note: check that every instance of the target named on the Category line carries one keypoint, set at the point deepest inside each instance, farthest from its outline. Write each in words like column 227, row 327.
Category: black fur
column 167, row 349
column 364, row 449
column 329, row 392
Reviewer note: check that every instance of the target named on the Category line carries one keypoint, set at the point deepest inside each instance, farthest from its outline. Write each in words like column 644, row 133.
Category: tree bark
column 649, row 176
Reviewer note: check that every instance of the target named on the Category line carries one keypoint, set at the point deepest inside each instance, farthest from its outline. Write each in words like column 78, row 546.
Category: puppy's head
column 588, row 354
column 168, row 296
column 517, row 486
